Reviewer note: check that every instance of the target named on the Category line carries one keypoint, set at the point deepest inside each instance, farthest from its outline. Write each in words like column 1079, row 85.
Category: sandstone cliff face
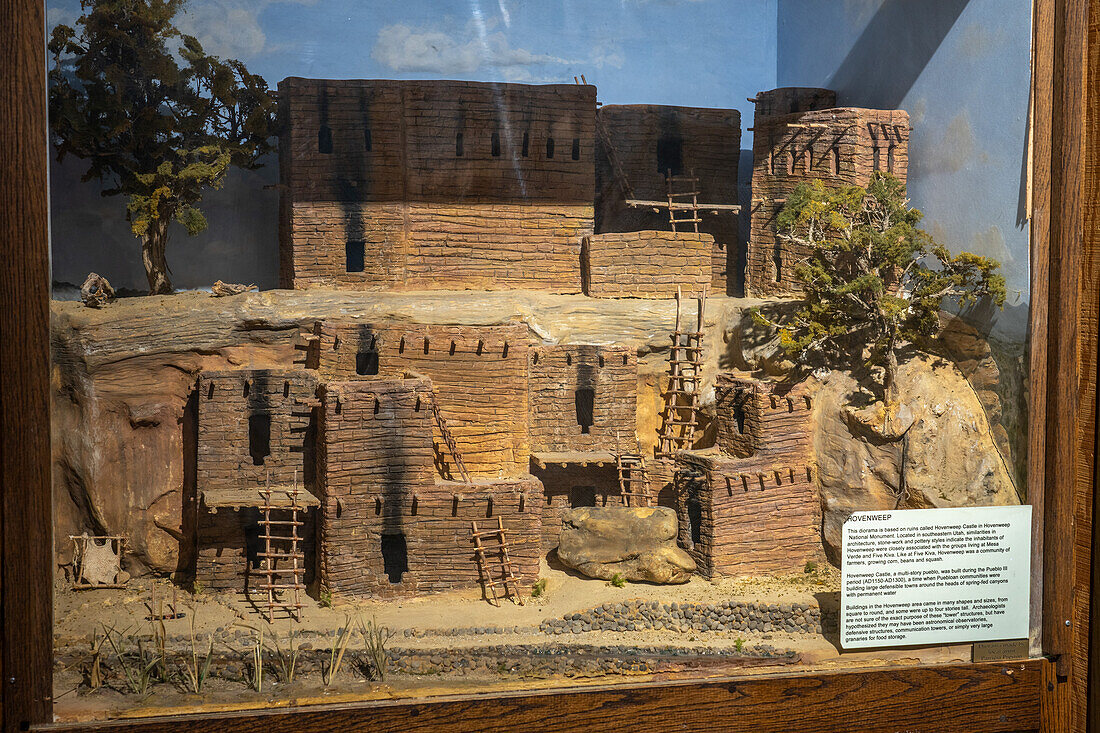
column 123, row 375
column 940, row 452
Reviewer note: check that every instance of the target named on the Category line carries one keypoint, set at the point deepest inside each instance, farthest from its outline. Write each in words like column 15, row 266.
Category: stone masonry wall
column 388, row 525
column 841, row 146
column 755, row 417
column 751, row 505
column 647, row 140
column 647, row 264
column 787, row 100
column 237, row 410
column 479, row 374
column 561, row 377
column 435, row 184
column 757, row 515
column 228, row 543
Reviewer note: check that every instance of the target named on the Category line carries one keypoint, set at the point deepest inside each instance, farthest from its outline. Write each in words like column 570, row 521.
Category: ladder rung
column 280, row 537
column 281, row 586
column 283, row 555
column 283, row 522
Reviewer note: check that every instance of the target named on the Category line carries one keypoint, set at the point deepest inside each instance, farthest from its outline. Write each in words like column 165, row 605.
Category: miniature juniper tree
column 873, row 281
column 156, row 118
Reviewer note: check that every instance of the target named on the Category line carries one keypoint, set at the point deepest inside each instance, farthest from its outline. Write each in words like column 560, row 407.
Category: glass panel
column 588, row 392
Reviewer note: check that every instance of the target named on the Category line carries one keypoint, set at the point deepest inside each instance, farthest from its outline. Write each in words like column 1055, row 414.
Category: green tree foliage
column 873, row 280
column 157, row 119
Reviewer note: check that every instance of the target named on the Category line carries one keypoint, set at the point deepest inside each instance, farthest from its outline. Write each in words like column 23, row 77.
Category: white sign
column 935, row 576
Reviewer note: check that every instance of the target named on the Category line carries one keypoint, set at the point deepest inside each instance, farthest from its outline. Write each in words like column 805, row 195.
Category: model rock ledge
column 636, row 543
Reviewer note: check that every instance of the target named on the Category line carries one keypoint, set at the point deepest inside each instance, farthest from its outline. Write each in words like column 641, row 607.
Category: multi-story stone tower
column 798, row 136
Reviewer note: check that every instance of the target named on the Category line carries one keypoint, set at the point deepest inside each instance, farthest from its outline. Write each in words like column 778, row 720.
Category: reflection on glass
column 453, row 386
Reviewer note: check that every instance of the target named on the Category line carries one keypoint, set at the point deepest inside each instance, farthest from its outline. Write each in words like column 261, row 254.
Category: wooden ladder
column 500, row 551
column 448, row 438
column 633, row 479
column 677, row 201
column 282, row 547
column 685, row 374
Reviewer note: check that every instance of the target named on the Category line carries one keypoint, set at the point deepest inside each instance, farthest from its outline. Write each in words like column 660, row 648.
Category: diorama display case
column 1054, row 689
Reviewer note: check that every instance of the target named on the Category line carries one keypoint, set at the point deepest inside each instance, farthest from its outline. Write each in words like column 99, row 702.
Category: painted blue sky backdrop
column 961, row 67
column 690, row 52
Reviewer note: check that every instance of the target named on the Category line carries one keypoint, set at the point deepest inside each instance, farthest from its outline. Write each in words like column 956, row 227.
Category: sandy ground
column 79, row 613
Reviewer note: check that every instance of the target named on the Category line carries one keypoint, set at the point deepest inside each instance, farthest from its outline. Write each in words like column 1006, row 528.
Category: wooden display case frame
column 1053, row 692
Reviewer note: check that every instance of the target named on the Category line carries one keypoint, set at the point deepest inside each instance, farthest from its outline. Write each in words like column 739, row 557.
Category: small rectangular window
column 366, row 139
column 458, row 145
column 355, row 254
column 526, row 144
column 366, row 363
column 584, row 400
column 549, row 147
column 495, row 144
column 259, row 437
column 576, row 153
column 324, row 139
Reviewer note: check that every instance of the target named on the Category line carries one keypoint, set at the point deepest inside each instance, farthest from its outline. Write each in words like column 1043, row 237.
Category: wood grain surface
column 26, row 570
column 957, row 698
column 982, row 697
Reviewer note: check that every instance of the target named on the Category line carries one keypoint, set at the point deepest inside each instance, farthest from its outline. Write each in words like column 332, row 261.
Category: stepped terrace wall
column 841, row 146
column 646, row 141
column 388, row 525
column 647, row 264
column 479, row 374
column 435, row 184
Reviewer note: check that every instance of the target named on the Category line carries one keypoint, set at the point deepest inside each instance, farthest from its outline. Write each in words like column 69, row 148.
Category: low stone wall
column 683, row 617
column 647, row 264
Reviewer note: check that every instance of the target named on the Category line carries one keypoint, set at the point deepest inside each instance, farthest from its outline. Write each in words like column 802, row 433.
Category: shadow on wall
column 89, row 233
column 893, row 50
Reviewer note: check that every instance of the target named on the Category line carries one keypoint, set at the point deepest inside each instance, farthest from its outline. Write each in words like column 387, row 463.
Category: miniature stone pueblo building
column 400, row 458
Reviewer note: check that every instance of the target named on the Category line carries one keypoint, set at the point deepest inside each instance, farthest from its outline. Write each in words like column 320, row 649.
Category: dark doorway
column 695, row 519
column 259, row 437
column 582, row 496
column 366, row 363
column 670, row 154
column 355, row 254
column 584, row 400
column 395, row 556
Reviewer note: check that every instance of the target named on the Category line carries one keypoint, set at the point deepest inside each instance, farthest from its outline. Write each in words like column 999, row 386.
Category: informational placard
column 935, row 576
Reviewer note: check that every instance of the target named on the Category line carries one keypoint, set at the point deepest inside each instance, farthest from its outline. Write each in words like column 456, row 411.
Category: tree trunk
column 152, row 256
column 890, row 390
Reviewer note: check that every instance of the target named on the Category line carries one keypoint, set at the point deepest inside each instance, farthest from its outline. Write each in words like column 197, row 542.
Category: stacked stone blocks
column 750, row 505
column 435, row 184
column 646, row 264
column 840, row 146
